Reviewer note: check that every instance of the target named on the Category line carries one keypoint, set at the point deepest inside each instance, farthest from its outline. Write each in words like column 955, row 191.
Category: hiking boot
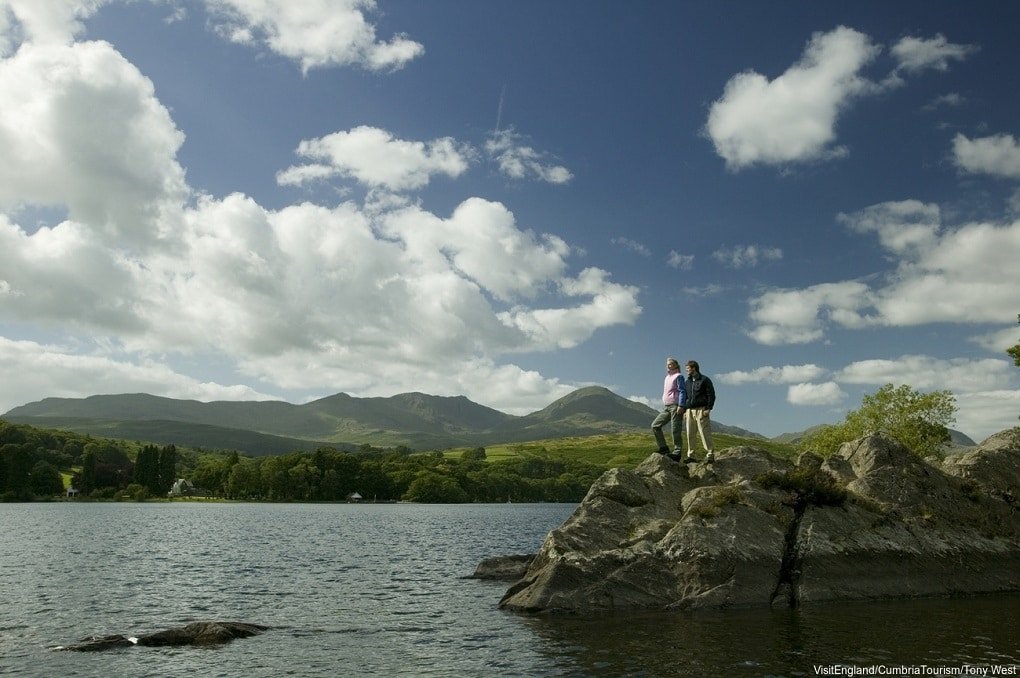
column 662, row 450
column 690, row 459
column 675, row 456
column 710, row 457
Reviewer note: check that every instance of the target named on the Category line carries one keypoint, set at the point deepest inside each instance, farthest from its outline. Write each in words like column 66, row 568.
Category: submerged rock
column 871, row 521
column 197, row 633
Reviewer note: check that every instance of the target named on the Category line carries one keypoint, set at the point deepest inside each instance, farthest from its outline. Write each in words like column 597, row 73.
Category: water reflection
column 763, row 642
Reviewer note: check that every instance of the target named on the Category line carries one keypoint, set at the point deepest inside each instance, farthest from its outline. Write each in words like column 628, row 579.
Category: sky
column 510, row 200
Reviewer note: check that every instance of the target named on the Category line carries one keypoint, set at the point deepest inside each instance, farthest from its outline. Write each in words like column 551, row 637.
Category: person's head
column 692, row 367
column 672, row 364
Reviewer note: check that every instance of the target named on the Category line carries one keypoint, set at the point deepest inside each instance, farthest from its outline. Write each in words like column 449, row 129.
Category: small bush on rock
column 808, row 487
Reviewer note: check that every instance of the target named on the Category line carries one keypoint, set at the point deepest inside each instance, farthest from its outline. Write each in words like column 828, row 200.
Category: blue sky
column 252, row 199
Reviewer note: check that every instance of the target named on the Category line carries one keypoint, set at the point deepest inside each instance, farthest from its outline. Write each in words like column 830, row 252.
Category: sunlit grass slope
column 612, row 449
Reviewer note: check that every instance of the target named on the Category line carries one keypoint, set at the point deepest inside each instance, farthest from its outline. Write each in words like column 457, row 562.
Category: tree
column 46, row 480
column 477, row 454
column 432, row 488
column 1014, row 351
column 918, row 421
column 147, row 468
column 167, row 469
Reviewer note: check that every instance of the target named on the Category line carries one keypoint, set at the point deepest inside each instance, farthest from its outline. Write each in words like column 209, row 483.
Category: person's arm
column 710, row 392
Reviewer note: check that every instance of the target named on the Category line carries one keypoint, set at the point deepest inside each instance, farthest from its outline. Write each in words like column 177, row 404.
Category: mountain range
column 416, row 420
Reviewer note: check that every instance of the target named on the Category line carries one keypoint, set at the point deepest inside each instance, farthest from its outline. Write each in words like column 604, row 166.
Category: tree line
column 391, row 475
column 33, row 463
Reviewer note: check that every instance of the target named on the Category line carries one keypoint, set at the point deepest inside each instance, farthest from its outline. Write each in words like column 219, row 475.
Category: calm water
column 379, row 590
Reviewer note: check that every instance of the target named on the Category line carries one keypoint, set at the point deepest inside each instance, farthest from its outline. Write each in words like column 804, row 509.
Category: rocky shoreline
column 871, row 521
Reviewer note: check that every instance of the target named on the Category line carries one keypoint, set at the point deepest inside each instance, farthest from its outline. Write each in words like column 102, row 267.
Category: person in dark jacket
column 700, row 401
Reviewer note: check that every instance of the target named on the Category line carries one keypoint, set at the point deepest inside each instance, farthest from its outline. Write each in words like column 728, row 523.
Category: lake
column 380, row 590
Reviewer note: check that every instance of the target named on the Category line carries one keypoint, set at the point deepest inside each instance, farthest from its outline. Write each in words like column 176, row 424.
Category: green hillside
column 611, row 450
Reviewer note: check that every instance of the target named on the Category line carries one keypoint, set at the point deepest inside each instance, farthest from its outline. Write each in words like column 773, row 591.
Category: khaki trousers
column 698, row 417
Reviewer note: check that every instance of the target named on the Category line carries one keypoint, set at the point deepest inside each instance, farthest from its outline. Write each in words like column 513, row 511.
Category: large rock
column 871, row 521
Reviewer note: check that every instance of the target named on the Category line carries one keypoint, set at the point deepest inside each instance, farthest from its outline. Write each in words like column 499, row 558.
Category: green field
column 613, row 449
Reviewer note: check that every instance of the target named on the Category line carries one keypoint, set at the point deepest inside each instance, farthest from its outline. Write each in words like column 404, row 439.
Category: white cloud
column 800, row 316
column 518, row 161
column 611, row 304
column 997, row 155
column 710, row 290
column 999, row 341
column 902, row 227
column 982, row 413
column 50, row 22
column 317, row 33
column 373, row 157
column 960, row 375
column 951, row 100
column 482, row 242
column 966, row 275
column 787, row 374
column 792, row 118
column 81, row 127
column 828, row 393
column 917, row 54
column 370, row 299
column 746, row 256
column 632, row 245
column 47, row 370
column 683, row 262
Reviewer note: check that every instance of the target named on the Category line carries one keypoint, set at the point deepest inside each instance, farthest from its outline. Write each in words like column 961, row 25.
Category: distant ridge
column 416, row 420
column 956, row 438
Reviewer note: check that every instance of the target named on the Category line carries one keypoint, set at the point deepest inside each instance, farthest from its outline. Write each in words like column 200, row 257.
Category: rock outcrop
column 197, row 633
column 871, row 521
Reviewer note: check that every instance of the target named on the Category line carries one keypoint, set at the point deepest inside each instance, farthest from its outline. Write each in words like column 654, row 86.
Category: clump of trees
column 920, row 421
column 33, row 463
column 389, row 475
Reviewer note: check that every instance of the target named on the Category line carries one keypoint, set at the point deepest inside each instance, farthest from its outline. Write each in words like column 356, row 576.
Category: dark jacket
column 700, row 392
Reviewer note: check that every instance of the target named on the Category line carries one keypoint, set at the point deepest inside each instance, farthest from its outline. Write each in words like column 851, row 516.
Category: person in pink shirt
column 674, row 398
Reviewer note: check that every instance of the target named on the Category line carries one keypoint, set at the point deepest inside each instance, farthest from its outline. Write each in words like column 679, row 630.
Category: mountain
column 417, row 420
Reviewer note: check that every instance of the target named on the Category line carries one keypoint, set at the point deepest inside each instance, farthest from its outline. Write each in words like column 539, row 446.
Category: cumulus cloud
column 316, row 33
column 982, row 413
column 518, row 161
column 376, row 159
column 746, row 256
column 369, row 298
column 549, row 328
column 918, row 54
column 828, row 393
column 997, row 155
column 793, row 117
column 81, row 128
column 924, row 372
column 787, row 374
column 962, row 275
column 683, row 262
column 787, row 316
column 53, row 22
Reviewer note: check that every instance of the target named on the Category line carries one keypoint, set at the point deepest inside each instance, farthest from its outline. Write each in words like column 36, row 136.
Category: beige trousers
column 698, row 417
